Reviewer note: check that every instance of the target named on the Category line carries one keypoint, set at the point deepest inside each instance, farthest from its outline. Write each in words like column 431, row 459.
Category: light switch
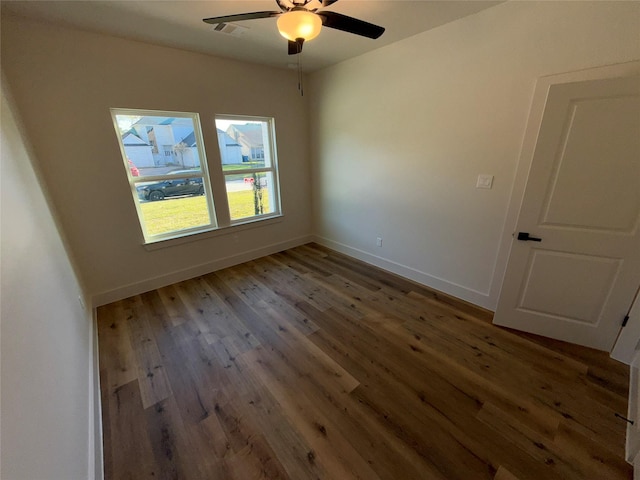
column 484, row 181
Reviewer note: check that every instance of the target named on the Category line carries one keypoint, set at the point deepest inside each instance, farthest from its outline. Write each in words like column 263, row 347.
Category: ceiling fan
column 300, row 21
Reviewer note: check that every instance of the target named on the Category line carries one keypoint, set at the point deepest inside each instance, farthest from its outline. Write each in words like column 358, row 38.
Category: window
column 170, row 188
column 164, row 158
column 249, row 166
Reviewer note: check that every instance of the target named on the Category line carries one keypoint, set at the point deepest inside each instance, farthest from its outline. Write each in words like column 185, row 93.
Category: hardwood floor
column 308, row 364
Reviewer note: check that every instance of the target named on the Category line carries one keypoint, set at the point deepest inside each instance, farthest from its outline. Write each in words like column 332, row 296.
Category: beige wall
column 64, row 82
column 47, row 408
column 400, row 135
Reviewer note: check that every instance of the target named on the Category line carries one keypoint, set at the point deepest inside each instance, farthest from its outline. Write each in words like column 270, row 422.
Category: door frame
column 625, row 347
column 527, row 150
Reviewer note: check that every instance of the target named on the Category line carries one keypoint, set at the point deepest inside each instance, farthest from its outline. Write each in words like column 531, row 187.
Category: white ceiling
column 179, row 24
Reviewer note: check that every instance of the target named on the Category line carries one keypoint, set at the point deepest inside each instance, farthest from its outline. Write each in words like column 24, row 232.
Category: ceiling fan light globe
column 299, row 24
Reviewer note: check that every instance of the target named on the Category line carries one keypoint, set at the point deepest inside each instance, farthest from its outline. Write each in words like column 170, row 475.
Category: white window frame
column 269, row 148
column 208, row 192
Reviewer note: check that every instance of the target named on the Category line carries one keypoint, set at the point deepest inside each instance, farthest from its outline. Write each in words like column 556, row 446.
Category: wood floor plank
column 382, row 446
column 153, row 381
column 538, row 447
column 319, row 258
column 128, row 438
column 292, row 283
column 595, row 420
column 504, row 474
column 173, row 305
column 316, row 358
column 274, row 276
column 290, row 447
column 311, row 365
column 390, row 387
column 252, row 456
column 178, row 454
column 334, row 452
column 105, row 401
column 301, row 263
column 116, row 356
column 256, row 292
column 247, row 392
column 379, row 447
column 212, row 316
column 399, row 284
column 584, row 451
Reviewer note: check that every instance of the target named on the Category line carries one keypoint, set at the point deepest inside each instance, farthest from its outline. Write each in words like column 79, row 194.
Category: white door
column 582, row 201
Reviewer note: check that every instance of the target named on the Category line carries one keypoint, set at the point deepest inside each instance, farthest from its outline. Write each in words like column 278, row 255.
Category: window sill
column 215, row 232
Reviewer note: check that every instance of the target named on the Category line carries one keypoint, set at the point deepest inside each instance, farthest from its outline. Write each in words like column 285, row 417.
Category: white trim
column 96, row 451
column 527, row 149
column 628, row 341
column 252, row 222
column 126, row 291
column 473, row 296
column 91, row 444
column 632, row 444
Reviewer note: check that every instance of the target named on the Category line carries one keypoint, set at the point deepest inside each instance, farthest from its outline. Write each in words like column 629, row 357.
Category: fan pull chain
column 300, row 79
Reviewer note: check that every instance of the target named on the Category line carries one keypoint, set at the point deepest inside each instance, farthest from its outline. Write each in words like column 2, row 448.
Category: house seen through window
column 165, row 162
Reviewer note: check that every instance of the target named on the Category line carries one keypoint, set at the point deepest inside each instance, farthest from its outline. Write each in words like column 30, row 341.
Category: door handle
column 524, row 236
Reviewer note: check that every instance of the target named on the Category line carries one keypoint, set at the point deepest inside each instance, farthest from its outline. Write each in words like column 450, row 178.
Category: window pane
column 250, row 195
column 174, row 214
column 158, row 145
column 247, row 148
column 243, row 144
column 164, row 160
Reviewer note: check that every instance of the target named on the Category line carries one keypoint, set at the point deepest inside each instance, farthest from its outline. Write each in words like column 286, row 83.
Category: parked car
column 133, row 169
column 172, row 187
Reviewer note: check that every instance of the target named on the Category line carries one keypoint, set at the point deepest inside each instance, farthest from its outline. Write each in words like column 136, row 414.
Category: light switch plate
column 484, row 181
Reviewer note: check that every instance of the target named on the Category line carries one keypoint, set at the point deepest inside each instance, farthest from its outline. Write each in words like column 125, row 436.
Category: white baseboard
column 96, row 458
column 137, row 288
column 96, row 471
column 472, row 296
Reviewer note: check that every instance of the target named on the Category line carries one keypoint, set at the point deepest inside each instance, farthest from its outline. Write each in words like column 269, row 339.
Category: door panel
column 583, row 199
column 567, row 286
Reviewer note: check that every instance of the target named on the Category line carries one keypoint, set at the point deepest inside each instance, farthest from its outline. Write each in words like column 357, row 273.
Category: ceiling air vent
column 229, row 29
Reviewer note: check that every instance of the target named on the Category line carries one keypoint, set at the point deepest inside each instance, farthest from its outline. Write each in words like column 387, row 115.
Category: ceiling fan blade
column 240, row 17
column 350, row 24
column 326, row 3
column 295, row 47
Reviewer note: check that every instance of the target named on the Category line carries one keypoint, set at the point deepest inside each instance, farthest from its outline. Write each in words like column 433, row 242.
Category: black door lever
column 524, row 236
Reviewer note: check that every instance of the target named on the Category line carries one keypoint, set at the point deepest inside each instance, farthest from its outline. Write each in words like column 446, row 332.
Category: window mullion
column 247, row 170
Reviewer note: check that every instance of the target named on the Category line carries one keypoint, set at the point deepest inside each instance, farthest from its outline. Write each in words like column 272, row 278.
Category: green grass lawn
column 241, row 203
column 175, row 214
column 242, row 166
column 188, row 212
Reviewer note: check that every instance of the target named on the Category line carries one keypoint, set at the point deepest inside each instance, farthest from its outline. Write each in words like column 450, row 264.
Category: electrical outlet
column 379, row 241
